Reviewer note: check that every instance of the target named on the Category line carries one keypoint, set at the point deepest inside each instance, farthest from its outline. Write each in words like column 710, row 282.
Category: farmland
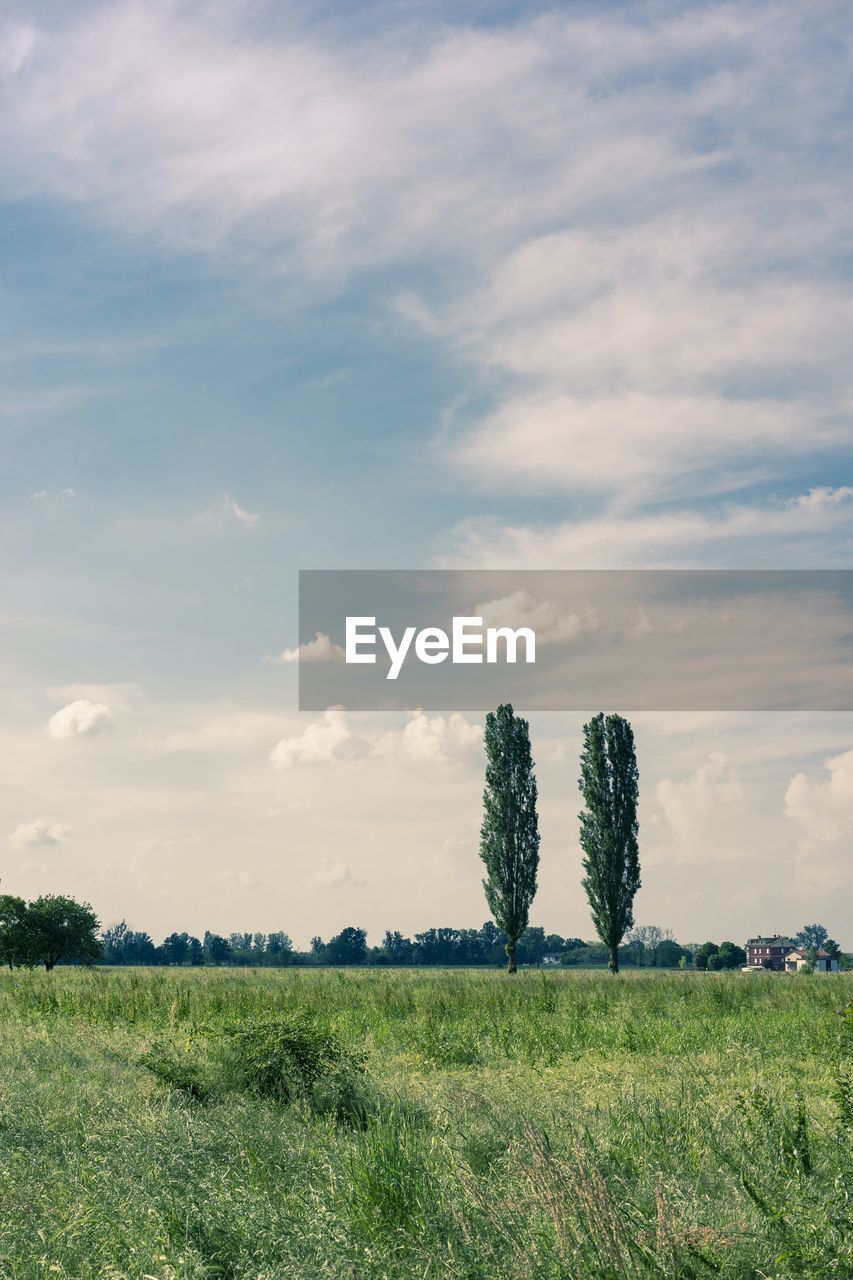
column 400, row 1123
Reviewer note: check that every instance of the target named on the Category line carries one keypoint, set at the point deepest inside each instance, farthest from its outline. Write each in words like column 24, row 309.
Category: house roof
column 802, row 952
column 778, row 940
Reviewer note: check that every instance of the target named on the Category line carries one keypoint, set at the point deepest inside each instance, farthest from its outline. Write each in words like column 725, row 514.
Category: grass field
column 358, row 1124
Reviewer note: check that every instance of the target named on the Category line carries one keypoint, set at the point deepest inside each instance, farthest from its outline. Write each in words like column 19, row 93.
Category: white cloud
column 651, row 311
column 822, row 498
column 320, row 743
column 331, row 874
column 42, row 495
column 118, row 695
column 29, row 834
column 636, row 442
column 804, row 534
column 245, row 517
column 320, row 649
column 80, row 719
column 549, row 618
column 704, row 812
column 823, row 808
column 224, row 729
column 433, row 739
column 231, row 879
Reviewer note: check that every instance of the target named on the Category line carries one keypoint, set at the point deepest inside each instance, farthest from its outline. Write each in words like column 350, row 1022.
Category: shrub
column 286, row 1059
column 182, row 1073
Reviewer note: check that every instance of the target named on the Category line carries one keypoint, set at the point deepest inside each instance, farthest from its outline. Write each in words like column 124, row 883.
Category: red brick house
column 769, row 953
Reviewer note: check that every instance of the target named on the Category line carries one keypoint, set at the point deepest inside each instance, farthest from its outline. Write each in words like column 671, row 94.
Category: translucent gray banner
column 642, row 640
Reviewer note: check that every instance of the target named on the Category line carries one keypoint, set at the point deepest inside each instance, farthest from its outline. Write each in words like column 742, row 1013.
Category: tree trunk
column 48, row 966
column 511, row 966
column 614, row 959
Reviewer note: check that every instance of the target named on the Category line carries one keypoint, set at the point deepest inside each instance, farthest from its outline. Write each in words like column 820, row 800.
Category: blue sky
column 401, row 285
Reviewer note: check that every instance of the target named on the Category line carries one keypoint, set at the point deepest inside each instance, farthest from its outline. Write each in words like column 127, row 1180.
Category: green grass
column 449, row 1124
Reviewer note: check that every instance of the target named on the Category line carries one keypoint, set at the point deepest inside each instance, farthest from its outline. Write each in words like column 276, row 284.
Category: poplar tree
column 609, row 783
column 509, row 835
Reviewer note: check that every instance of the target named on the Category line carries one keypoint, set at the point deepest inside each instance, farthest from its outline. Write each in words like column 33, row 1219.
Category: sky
column 405, row 285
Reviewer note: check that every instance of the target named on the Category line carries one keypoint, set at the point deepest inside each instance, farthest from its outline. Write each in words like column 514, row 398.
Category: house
column 769, row 953
column 824, row 962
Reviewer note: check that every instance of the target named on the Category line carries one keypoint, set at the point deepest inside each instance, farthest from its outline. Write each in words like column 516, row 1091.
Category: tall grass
column 556, row 1126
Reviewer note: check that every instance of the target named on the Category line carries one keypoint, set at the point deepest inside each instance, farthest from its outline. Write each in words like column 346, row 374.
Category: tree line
column 57, row 928
column 54, row 930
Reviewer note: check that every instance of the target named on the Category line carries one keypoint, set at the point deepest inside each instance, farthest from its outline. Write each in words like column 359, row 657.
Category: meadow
column 402, row 1124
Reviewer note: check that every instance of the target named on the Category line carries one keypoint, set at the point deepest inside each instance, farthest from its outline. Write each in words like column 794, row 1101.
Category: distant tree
column 732, row 955
column 58, row 928
column 812, row 935
column 668, row 954
column 492, row 943
column 240, row 945
column 470, row 949
column 348, row 947
column 217, row 950
column 832, row 948
column 437, row 946
column 176, row 948
column 397, row 948
column 196, row 952
column 588, row 954
column 15, row 949
column 703, row 953
column 532, row 945
column 279, row 948
column 509, row 835
column 113, row 939
column 609, row 783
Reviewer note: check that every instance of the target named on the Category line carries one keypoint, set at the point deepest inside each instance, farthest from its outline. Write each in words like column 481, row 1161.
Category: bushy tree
column 609, row 783
column 732, row 955
column 398, row 949
column 703, row 954
column 812, row 935
column 279, row 948
column 217, row 950
column 15, row 948
column 347, row 947
column 509, row 835
column 58, row 928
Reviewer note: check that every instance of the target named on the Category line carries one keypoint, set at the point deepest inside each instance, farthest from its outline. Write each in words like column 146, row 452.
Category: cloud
column 42, row 495
column 29, row 834
column 231, row 879
column 319, row 743
column 245, row 517
column 430, row 739
column 320, row 649
column 799, row 533
column 823, row 498
column 332, row 874
column 119, row 695
column 225, row 729
column 645, row 309
column 704, row 812
column 549, row 619
column 80, row 719
column 823, row 808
